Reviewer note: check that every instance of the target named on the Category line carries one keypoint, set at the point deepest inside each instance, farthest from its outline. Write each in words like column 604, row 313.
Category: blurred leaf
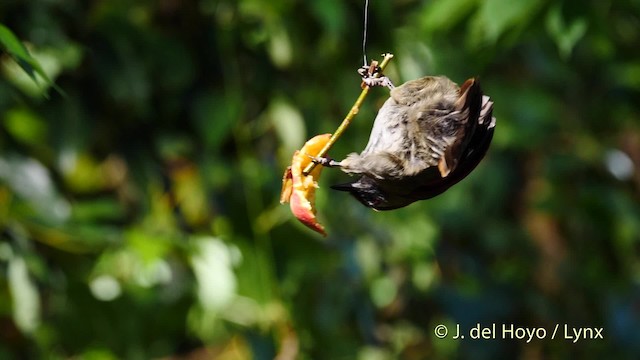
column 105, row 288
column 289, row 125
column 24, row 296
column 149, row 246
column 39, row 66
column 213, row 263
column 413, row 237
column 495, row 17
column 14, row 47
column 84, row 174
column 369, row 257
column 331, row 13
column 280, row 46
column 26, row 126
column 374, row 353
column 383, row 291
column 190, row 194
column 443, row 15
column 424, row 276
column 98, row 354
column 97, row 210
column 627, row 74
column 31, row 180
column 565, row 36
column 215, row 115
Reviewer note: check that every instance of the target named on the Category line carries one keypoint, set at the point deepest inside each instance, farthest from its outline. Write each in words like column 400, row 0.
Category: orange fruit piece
column 299, row 190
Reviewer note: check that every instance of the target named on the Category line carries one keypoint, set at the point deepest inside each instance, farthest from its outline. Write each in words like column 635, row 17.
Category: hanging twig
column 352, row 113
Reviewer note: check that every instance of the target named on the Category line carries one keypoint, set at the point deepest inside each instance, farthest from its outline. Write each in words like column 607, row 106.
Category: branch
column 347, row 120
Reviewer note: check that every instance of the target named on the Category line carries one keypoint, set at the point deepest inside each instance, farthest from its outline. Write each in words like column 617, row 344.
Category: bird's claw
column 324, row 161
column 379, row 81
column 372, row 76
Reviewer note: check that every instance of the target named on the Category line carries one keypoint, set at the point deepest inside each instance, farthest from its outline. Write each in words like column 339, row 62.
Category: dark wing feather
column 467, row 111
column 475, row 151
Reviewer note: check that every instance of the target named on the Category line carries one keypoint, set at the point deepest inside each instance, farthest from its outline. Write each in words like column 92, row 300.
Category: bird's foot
column 379, row 81
column 372, row 76
column 325, row 161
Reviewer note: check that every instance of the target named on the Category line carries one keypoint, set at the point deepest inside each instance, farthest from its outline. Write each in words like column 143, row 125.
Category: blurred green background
column 139, row 208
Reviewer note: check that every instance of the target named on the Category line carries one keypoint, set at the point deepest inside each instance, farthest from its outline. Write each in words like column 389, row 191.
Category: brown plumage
column 428, row 135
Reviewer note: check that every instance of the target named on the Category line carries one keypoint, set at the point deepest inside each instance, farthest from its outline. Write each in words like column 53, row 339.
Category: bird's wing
column 458, row 128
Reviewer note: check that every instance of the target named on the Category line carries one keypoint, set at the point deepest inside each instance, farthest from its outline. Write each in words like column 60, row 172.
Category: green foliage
column 28, row 63
column 139, row 212
column 14, row 47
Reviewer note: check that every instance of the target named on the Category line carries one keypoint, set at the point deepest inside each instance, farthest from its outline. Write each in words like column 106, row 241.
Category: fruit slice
column 300, row 190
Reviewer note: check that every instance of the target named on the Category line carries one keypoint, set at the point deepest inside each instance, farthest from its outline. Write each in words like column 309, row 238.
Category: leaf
column 288, row 124
column 626, row 74
column 215, row 114
column 565, row 37
column 443, row 15
column 495, row 17
column 26, row 126
column 24, row 295
column 212, row 264
column 31, row 180
column 17, row 49
column 280, row 48
column 331, row 14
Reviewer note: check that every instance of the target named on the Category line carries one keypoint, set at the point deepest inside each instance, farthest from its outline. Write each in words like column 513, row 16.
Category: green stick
column 347, row 120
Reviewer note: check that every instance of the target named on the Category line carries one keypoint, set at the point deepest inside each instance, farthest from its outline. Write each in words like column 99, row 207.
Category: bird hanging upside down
column 428, row 135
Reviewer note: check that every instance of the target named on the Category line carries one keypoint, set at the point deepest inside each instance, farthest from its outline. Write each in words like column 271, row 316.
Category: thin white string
column 364, row 37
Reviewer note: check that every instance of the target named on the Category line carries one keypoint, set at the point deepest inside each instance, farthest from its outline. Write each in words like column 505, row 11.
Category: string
column 364, row 36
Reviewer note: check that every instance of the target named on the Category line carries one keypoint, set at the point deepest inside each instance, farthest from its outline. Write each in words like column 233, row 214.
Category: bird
column 427, row 136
